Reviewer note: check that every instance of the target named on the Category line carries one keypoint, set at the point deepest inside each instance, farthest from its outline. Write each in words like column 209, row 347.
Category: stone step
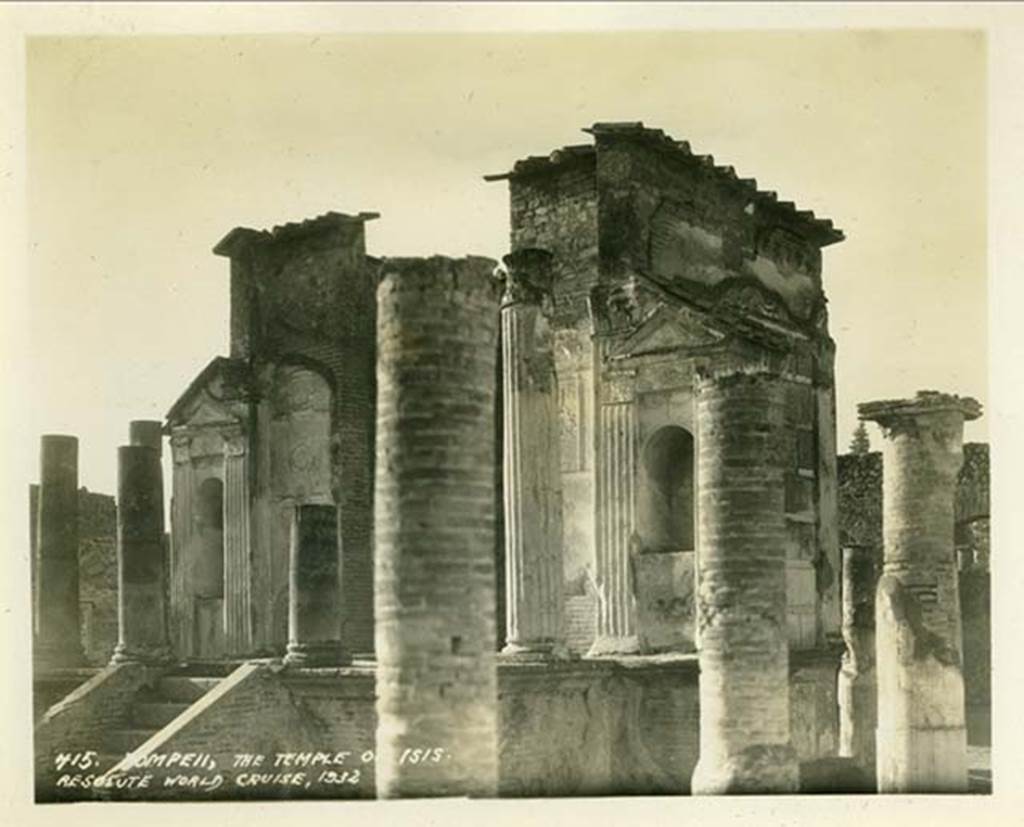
column 156, row 713
column 127, row 740
column 184, row 688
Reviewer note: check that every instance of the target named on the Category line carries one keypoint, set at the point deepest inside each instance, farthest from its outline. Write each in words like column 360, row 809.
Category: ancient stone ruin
column 567, row 525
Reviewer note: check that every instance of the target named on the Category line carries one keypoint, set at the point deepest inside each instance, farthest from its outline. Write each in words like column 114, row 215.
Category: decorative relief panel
column 790, row 252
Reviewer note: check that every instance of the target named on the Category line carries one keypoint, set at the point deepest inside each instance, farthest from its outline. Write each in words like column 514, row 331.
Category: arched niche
column 208, row 565
column 666, row 495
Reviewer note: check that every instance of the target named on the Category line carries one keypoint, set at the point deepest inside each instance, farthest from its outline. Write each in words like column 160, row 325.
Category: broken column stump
column 434, row 518
column 745, row 743
column 58, row 642
column 314, row 589
column 922, row 739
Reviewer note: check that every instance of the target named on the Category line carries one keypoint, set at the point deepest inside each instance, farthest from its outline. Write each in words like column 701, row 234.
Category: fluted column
column 141, row 610
column 532, row 470
column 434, row 527
column 237, row 568
column 857, row 688
column 314, row 588
column 182, row 524
column 58, row 621
column 922, row 738
column 745, row 744
column 615, row 467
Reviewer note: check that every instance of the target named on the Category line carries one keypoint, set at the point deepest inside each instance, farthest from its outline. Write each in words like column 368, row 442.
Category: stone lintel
column 924, row 403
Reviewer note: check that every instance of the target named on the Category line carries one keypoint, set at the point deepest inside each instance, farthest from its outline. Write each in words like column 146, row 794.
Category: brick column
column 745, row 742
column 922, row 741
column 314, row 588
column 141, row 568
column 857, row 690
column 434, row 528
column 532, row 470
column 58, row 623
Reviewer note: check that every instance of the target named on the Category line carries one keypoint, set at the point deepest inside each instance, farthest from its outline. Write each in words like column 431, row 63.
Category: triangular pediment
column 213, row 396
column 205, row 410
column 670, row 328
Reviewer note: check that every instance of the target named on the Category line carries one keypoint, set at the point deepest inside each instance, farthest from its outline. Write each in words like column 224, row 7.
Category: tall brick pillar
column 58, row 622
column 857, row 689
column 434, row 528
column 922, row 738
column 745, row 742
column 314, row 588
column 141, row 568
column 532, row 470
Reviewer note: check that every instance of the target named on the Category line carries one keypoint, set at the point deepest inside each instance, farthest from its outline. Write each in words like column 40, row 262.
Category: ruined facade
column 565, row 526
column 661, row 265
column 286, row 419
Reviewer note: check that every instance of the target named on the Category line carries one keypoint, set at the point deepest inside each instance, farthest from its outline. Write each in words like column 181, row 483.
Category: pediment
column 213, row 396
column 205, row 410
column 670, row 328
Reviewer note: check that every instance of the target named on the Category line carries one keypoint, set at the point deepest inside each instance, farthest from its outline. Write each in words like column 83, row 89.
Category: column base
column 156, row 656
column 922, row 760
column 320, row 653
column 610, row 645
column 533, row 653
column 757, row 769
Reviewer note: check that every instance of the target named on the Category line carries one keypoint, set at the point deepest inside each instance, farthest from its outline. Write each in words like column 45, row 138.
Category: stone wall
column 627, row 726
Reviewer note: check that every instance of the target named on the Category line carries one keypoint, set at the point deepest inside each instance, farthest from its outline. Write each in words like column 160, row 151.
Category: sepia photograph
column 505, row 401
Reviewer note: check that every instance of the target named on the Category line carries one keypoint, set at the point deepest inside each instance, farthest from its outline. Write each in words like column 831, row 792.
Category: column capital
column 181, row 445
column 235, row 442
column 527, row 276
column 890, row 412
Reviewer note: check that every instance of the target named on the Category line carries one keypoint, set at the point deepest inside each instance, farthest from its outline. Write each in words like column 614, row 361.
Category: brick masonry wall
column 558, row 213
column 860, row 499
column 80, row 721
column 259, row 710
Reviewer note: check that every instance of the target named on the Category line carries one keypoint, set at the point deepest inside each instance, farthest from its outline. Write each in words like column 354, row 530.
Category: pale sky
column 144, row 151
